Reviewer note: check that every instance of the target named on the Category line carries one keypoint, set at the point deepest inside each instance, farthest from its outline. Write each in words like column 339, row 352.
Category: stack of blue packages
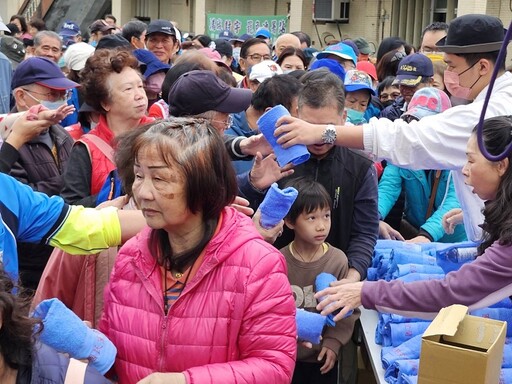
column 401, row 336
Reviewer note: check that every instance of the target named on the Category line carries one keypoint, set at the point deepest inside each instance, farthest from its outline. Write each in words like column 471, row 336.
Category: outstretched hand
column 266, row 171
column 345, row 297
column 451, row 219
column 292, row 130
column 256, row 143
column 55, row 116
column 386, row 231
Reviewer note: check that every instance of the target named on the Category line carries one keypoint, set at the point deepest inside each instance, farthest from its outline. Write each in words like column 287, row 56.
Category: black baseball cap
column 196, row 92
column 223, row 47
column 473, row 34
column 161, row 26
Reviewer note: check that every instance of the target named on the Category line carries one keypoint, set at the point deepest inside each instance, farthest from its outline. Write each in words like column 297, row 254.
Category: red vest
column 101, row 166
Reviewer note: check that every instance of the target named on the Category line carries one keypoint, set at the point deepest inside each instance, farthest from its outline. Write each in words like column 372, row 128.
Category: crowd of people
column 139, row 150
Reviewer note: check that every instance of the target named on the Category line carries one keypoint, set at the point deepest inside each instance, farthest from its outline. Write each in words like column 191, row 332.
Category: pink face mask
column 452, row 83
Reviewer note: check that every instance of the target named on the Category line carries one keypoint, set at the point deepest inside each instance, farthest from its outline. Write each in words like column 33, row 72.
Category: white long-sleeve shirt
column 439, row 142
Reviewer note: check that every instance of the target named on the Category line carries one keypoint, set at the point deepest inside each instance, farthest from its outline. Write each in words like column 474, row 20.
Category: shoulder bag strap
column 433, row 194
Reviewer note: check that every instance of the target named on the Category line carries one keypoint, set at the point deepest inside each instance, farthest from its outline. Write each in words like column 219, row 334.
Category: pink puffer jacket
column 233, row 323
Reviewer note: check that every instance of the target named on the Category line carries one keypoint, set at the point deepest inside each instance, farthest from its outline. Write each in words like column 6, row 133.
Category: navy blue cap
column 226, row 34
column 161, row 26
column 42, row 71
column 69, row 28
column 242, row 38
column 412, row 69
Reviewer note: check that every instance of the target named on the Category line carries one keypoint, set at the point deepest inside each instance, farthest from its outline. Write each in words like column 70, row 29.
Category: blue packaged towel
column 407, row 379
column 398, row 333
column 419, row 277
column 405, row 269
column 507, row 356
column 505, row 303
column 506, row 376
column 322, row 281
column 396, row 244
column 372, row 274
column 276, row 204
column 380, row 254
column 402, row 256
column 309, row 325
column 66, row 332
column 296, row 154
column 409, row 350
column 402, row 367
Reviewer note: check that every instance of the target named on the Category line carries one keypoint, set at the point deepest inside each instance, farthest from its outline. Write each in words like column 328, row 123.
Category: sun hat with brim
column 473, row 34
column 149, row 63
column 358, row 80
column 42, row 71
column 413, row 69
column 77, row 54
column 428, row 101
column 196, row 92
column 341, row 50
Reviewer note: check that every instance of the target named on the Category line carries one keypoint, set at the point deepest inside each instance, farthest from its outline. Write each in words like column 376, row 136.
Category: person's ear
column 289, row 224
column 484, row 67
column 242, row 64
column 105, row 106
column 503, row 166
column 343, row 116
column 20, row 98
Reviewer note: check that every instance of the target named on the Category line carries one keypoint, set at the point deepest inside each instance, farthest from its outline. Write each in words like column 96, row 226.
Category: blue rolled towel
column 66, row 332
column 419, row 277
column 403, row 256
column 296, row 154
column 309, row 325
column 506, row 376
column 401, row 332
column 396, row 244
column 409, row 350
column 502, row 314
column 276, row 205
column 372, row 274
column 505, row 303
column 404, row 367
column 379, row 254
column 322, row 281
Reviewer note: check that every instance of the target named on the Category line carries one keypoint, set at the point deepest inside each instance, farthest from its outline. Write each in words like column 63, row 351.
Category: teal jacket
column 417, row 187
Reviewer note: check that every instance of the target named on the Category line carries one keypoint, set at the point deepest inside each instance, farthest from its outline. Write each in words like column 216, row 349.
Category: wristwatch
column 329, row 134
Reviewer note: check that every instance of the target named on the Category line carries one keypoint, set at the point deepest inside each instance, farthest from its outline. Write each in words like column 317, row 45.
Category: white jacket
column 439, row 142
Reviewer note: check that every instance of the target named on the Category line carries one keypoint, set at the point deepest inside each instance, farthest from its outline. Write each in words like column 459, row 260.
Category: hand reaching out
column 266, row 171
column 386, row 231
column 330, row 360
column 452, row 218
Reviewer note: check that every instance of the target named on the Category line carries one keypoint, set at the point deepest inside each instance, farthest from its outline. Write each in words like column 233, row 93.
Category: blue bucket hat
column 149, row 62
column 341, row 50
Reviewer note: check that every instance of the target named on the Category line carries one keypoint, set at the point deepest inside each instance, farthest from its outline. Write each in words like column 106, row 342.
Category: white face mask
column 236, row 53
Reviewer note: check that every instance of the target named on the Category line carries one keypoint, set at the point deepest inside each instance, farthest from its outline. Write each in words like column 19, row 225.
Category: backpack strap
column 76, row 372
column 102, row 145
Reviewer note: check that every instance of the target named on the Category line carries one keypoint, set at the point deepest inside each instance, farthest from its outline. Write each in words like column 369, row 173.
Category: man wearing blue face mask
column 40, row 161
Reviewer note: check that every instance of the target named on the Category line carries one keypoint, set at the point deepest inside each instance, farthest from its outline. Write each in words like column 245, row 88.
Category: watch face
column 329, row 135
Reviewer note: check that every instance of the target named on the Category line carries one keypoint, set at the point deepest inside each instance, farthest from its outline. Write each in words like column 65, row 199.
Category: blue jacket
column 240, row 128
column 418, row 187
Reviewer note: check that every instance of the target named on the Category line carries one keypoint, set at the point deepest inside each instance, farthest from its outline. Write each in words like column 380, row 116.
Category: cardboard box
column 461, row 349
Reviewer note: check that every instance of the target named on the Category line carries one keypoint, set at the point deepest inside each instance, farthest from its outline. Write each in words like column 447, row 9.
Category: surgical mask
column 452, row 83
column 49, row 104
column 236, row 53
column 355, row 117
column 53, row 104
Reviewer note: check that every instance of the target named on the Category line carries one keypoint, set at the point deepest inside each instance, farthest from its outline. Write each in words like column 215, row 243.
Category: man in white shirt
column 437, row 142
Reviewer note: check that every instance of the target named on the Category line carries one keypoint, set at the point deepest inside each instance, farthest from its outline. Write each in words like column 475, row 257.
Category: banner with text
column 238, row 24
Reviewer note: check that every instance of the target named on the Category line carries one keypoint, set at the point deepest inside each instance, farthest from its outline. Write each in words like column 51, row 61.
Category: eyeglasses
column 258, row 57
column 227, row 123
column 52, row 95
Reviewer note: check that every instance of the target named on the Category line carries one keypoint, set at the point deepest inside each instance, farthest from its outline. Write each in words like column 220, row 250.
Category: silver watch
column 329, row 135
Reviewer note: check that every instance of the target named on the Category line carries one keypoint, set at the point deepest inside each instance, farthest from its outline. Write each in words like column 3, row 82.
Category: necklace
column 302, row 258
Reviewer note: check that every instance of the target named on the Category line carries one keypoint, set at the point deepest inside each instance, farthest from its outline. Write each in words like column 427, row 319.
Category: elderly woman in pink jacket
column 198, row 296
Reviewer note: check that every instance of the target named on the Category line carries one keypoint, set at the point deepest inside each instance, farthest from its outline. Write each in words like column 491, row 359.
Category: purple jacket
column 478, row 284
